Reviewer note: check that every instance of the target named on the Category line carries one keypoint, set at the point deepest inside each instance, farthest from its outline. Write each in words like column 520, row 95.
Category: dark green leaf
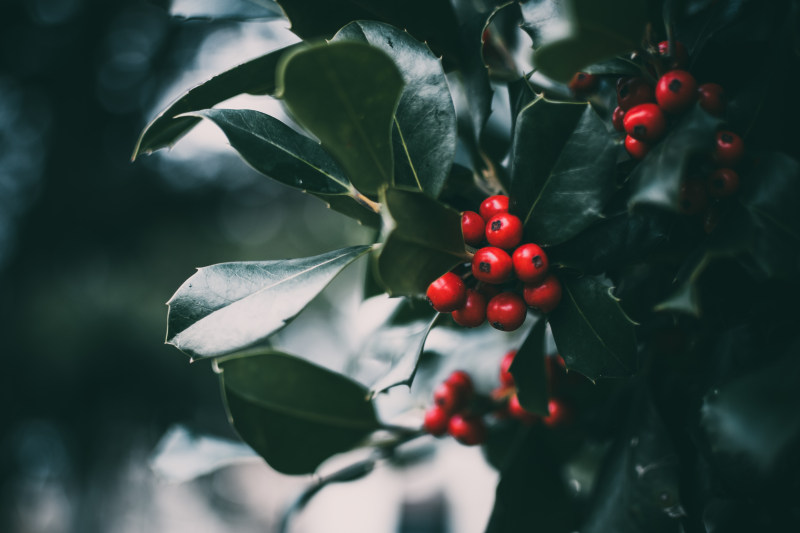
column 424, row 134
column 657, row 179
column 423, row 241
column 530, row 375
column 227, row 307
column 254, row 77
column 562, row 170
column 277, row 151
column 345, row 93
column 591, row 331
column 225, row 9
column 293, row 413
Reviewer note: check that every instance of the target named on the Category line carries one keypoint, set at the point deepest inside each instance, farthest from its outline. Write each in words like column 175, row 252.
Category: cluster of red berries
column 504, row 278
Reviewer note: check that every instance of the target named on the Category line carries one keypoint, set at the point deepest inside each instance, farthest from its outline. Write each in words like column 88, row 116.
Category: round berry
column 473, row 314
column 636, row 148
column 492, row 265
column 473, row 227
column 645, row 122
column 632, row 92
column 516, row 410
column 436, row 421
column 447, row 293
column 692, row 198
column 582, row 83
column 617, row 118
column 559, row 413
column 545, row 296
column 530, row 263
column 675, row 91
column 680, row 57
column 504, row 230
column 461, row 380
column 451, row 398
column 506, row 311
column 493, row 205
column 728, row 149
column 506, row 379
column 467, row 429
column 712, row 98
column 723, row 182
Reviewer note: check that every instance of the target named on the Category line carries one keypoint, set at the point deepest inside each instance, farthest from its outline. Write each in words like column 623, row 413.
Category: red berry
column 436, row 421
column 472, row 226
column 645, row 122
column 545, row 296
column 617, row 118
column 712, row 98
column 728, row 149
column 680, row 57
column 447, row 293
column 506, row 311
column 492, row 265
column 632, row 92
column 451, row 398
column 723, row 182
column 559, row 413
column 461, row 380
column 493, row 205
column 692, row 198
column 636, row 148
column 517, row 411
column 582, row 83
column 506, row 379
column 530, row 263
column 473, row 314
column 504, row 230
column 467, row 429
column 676, row 90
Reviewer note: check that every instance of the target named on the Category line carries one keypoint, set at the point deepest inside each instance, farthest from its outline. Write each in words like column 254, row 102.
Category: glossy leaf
column 528, row 369
column 424, row 130
column 591, row 331
column 225, row 9
column 278, row 151
column 346, row 93
column 230, row 306
column 253, row 77
column 562, row 170
column 422, row 241
column 657, row 179
column 293, row 413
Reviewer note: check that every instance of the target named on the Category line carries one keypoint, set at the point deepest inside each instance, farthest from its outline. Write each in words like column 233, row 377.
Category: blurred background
column 91, row 248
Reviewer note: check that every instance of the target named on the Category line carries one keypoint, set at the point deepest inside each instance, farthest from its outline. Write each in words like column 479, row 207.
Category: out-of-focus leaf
column 293, row 413
column 226, row 9
column 346, row 93
column 530, row 375
column 424, row 131
column 230, row 306
column 254, row 77
column 591, row 331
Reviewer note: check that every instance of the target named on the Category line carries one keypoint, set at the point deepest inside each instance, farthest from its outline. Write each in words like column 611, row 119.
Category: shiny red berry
column 493, row 205
column 504, row 230
column 676, row 91
column 692, row 198
column 632, row 92
column 712, row 98
column 492, row 265
column 559, row 413
column 506, row 311
column 473, row 313
column 645, row 122
column 728, row 148
column 723, row 182
column 451, row 398
column 461, row 380
column 473, row 227
column 516, row 410
column 545, row 296
column 582, row 83
column 467, row 429
column 636, row 148
column 436, row 421
column 447, row 293
column 617, row 118
column 680, row 57
column 530, row 263
column 506, row 379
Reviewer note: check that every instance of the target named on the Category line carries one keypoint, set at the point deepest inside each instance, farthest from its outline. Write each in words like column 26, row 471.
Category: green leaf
column 230, row 306
column 563, row 164
column 293, row 413
column 657, row 179
column 278, row 151
column 530, row 375
column 423, row 241
column 239, row 10
column 591, row 331
column 572, row 34
column 345, row 93
column 424, row 132
column 253, row 77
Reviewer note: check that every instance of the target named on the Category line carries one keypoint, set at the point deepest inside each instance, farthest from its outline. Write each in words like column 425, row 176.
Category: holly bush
column 667, row 372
